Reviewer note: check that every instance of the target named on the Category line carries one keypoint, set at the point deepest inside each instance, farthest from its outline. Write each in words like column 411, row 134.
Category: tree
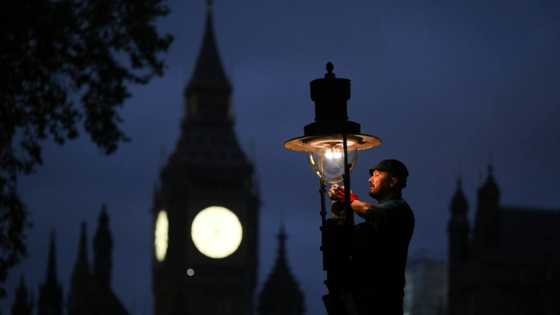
column 65, row 63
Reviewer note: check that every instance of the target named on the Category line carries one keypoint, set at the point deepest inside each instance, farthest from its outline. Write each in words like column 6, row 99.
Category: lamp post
column 332, row 143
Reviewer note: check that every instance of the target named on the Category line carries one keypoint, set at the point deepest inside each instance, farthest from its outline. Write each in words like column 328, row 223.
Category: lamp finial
column 330, row 68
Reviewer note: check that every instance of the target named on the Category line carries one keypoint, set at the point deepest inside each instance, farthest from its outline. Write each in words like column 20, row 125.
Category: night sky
column 449, row 86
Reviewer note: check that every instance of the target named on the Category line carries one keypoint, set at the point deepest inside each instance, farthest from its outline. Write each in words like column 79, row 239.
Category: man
column 380, row 244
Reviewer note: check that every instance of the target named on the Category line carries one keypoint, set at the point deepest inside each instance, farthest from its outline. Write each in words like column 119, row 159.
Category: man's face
column 380, row 184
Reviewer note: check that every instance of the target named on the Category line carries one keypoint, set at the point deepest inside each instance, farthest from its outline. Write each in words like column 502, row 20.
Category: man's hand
column 336, row 193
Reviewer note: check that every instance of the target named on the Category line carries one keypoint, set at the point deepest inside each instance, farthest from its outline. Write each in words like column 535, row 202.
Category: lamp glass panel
column 328, row 161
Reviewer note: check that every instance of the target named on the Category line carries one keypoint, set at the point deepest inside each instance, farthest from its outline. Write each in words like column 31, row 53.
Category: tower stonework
column 103, row 250
column 486, row 216
column 90, row 288
column 507, row 262
column 459, row 244
column 90, row 291
column 50, row 292
column 23, row 301
column 281, row 293
column 79, row 294
column 206, row 180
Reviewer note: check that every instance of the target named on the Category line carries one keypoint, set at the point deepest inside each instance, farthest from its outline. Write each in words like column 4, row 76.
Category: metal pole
column 323, row 212
column 349, row 213
column 336, row 244
column 348, row 231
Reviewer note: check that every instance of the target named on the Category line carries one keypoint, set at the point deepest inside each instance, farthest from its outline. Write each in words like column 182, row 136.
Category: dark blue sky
column 450, row 86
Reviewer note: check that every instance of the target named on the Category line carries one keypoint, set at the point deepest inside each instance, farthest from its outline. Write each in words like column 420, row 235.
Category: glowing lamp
column 324, row 139
column 328, row 161
column 332, row 143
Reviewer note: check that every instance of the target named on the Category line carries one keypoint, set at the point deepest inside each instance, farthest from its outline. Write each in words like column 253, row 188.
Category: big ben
column 205, row 210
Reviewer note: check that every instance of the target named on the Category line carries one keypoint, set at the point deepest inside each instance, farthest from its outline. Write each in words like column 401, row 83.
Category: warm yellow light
column 216, row 232
column 327, row 161
column 313, row 143
column 334, row 154
column 161, row 235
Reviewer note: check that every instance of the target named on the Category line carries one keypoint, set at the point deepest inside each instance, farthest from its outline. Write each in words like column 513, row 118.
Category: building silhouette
column 281, row 294
column 90, row 290
column 506, row 263
column 207, row 173
column 50, row 292
column 207, row 179
column 23, row 301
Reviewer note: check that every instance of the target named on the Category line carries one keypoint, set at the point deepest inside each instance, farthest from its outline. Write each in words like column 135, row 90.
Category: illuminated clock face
column 161, row 235
column 216, row 232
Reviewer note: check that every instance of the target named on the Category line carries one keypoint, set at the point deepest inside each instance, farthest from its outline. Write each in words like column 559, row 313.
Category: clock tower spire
column 209, row 89
column 205, row 210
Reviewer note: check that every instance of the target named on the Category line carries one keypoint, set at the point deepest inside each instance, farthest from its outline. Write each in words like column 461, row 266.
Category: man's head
column 387, row 178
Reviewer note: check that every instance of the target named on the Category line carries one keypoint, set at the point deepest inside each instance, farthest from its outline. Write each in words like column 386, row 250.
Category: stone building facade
column 90, row 290
column 507, row 262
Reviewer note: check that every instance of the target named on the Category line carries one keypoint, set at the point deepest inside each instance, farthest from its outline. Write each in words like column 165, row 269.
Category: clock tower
column 205, row 209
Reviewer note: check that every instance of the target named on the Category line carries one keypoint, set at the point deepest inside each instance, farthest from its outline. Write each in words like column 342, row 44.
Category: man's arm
column 361, row 207
column 375, row 214
column 386, row 216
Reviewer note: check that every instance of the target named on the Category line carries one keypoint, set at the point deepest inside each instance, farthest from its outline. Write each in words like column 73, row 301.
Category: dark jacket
column 379, row 254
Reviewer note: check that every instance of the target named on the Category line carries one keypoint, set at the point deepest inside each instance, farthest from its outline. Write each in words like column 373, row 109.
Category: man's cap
column 394, row 167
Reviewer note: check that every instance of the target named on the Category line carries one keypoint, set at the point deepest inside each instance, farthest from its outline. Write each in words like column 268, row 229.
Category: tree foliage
column 66, row 63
